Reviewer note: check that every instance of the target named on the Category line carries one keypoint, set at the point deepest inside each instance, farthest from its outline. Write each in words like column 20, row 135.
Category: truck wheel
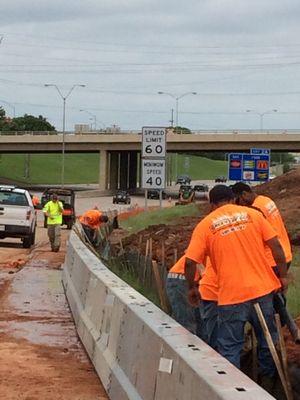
column 33, row 237
column 27, row 242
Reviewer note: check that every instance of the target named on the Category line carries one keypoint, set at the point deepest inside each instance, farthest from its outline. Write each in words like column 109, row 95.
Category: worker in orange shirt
column 234, row 238
column 177, row 291
column 244, row 195
column 35, row 200
column 91, row 221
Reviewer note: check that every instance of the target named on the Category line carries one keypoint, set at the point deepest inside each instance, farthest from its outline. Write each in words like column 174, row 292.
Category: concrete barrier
column 138, row 351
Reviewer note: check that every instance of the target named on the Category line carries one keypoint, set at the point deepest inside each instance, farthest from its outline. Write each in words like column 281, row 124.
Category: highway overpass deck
column 220, row 141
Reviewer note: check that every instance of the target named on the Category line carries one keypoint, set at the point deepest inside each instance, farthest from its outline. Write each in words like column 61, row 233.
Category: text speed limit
column 153, row 142
column 153, row 174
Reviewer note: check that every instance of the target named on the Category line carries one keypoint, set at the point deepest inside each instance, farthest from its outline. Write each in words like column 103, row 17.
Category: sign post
column 153, row 160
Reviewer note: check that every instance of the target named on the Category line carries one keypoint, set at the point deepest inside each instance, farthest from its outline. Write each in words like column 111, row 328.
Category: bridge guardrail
column 138, row 351
column 136, row 132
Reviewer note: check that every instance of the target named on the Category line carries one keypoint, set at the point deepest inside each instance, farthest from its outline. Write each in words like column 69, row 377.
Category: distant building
column 82, row 128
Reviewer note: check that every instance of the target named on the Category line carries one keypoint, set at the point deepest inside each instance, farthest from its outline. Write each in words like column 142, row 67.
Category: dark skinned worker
column 244, row 195
column 233, row 237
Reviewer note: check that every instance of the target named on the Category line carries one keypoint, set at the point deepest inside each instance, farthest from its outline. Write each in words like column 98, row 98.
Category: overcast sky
column 237, row 55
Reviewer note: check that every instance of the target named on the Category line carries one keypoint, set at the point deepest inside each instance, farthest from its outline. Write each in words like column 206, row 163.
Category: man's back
column 234, row 238
column 272, row 214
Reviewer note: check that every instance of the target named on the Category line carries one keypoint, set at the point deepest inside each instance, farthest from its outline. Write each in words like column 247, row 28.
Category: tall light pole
column 177, row 98
column 64, row 98
column 261, row 116
column 92, row 115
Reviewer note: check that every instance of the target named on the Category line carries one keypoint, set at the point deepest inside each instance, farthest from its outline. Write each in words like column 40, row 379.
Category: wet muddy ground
column 41, row 357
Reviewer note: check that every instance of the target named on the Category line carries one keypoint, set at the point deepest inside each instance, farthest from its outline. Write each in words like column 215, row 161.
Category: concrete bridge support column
column 133, row 167
column 103, row 169
column 124, row 169
column 113, row 170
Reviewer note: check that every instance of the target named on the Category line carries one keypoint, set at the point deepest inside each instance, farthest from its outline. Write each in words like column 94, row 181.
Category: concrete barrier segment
column 138, row 351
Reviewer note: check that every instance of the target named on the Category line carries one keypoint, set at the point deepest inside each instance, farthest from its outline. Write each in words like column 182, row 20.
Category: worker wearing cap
column 91, row 221
column 234, row 237
column 53, row 210
column 244, row 195
column 177, row 292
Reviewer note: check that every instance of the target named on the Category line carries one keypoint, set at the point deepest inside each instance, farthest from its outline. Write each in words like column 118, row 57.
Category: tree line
column 25, row 123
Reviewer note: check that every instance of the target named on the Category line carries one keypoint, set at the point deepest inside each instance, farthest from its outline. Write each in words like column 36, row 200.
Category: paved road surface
column 41, row 357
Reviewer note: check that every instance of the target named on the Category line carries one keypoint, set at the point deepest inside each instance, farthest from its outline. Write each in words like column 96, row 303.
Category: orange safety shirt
column 91, row 218
column 272, row 214
column 208, row 286
column 234, row 238
column 178, row 268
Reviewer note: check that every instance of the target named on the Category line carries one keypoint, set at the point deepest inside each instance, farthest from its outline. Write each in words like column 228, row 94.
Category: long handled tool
column 272, row 349
column 287, row 318
column 283, row 355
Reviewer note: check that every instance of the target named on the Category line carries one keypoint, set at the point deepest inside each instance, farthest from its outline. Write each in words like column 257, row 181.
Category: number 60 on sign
column 153, row 142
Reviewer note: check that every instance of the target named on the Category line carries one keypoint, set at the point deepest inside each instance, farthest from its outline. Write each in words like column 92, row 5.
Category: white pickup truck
column 17, row 215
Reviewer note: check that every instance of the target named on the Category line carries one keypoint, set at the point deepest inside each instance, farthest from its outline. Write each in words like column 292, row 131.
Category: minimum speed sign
column 153, row 142
column 153, row 174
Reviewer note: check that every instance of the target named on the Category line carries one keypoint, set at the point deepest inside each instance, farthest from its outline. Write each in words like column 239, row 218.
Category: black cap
column 240, row 187
column 220, row 193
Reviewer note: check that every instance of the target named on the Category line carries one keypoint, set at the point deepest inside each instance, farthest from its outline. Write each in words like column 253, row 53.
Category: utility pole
column 172, row 117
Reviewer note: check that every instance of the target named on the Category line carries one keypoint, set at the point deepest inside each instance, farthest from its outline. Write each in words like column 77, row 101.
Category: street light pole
column 93, row 115
column 64, row 98
column 261, row 116
column 177, row 98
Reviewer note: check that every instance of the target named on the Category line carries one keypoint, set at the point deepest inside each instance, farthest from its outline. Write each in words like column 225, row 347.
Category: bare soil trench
column 41, row 356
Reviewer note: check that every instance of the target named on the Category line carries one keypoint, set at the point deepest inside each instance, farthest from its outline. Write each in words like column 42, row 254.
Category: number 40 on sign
column 153, row 174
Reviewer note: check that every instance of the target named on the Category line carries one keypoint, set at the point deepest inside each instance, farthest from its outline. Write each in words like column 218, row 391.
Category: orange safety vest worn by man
column 234, row 238
column 91, row 221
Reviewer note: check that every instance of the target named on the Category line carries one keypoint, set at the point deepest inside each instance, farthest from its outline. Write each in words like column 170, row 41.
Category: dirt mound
column 168, row 242
column 285, row 191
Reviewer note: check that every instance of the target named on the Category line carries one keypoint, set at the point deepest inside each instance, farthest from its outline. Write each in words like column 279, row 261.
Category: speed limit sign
column 154, row 142
column 153, row 173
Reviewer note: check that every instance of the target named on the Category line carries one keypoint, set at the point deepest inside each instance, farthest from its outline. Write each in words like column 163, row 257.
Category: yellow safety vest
column 53, row 208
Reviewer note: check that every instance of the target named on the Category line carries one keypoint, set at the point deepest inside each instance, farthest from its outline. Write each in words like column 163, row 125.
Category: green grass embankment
column 293, row 294
column 161, row 216
column 197, row 167
column 84, row 167
column 46, row 168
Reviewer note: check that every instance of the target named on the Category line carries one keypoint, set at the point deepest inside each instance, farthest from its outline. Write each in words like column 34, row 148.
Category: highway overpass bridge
column 120, row 153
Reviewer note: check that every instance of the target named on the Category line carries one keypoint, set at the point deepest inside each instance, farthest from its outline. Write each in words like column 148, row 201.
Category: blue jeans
column 209, row 312
column 232, row 320
column 182, row 311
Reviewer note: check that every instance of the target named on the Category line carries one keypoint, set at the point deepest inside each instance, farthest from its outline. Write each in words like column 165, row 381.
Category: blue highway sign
column 248, row 167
